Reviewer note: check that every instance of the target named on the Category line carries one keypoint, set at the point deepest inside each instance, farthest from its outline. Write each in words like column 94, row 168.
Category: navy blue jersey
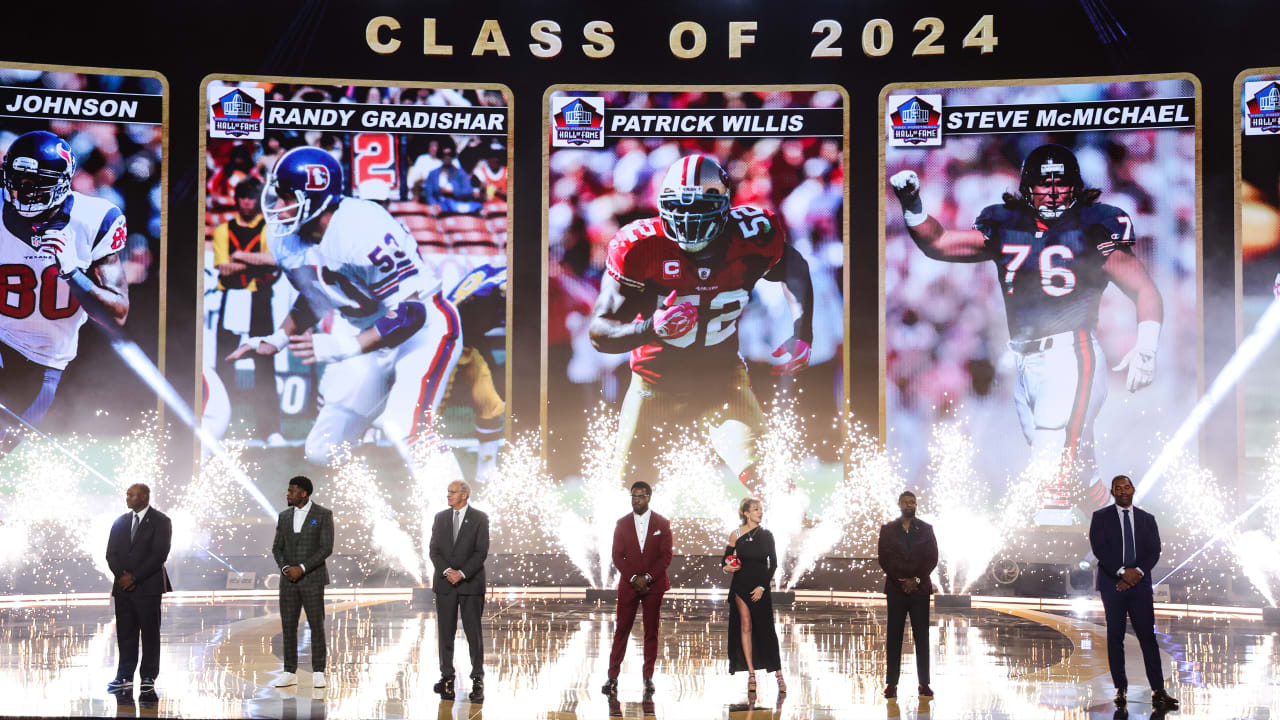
column 1051, row 274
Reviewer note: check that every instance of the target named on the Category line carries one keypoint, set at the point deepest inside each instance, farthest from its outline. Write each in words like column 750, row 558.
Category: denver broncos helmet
column 694, row 202
column 37, row 172
column 304, row 182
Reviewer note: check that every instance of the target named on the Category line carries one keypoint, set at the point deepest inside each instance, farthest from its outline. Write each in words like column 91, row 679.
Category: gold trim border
column 202, row 129
column 546, row 196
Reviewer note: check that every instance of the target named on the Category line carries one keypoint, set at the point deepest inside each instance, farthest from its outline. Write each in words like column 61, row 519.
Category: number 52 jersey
column 641, row 258
column 39, row 317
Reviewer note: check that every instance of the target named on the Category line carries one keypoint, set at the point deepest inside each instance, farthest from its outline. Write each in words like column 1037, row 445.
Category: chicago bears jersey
column 641, row 258
column 364, row 265
column 39, row 317
column 1051, row 275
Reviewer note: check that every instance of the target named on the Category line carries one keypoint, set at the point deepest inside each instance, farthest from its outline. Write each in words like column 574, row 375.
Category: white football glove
column 333, row 348
column 62, row 246
column 1141, row 360
column 906, row 185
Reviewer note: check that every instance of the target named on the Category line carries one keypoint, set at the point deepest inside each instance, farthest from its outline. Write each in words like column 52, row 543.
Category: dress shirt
column 642, row 526
column 1133, row 527
column 142, row 514
column 460, row 520
column 300, row 516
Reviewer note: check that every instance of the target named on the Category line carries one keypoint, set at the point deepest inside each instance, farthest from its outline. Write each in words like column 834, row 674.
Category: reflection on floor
column 547, row 659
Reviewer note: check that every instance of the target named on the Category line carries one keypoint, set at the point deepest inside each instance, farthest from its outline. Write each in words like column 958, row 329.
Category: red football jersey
column 642, row 258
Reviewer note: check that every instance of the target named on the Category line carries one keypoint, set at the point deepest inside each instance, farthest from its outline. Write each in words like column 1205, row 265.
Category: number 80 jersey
column 642, row 258
column 1051, row 275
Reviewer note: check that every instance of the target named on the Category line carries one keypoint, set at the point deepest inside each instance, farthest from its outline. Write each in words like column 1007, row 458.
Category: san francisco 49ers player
column 675, row 286
column 58, row 254
column 397, row 338
column 1055, row 249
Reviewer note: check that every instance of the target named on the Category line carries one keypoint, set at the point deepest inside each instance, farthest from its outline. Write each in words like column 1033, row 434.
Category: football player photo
column 696, row 264
column 355, row 272
column 1041, row 263
column 1259, row 244
column 81, row 241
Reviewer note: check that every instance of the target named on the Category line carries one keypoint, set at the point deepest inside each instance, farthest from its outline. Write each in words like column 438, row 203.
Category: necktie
column 457, row 524
column 133, row 530
column 1130, row 553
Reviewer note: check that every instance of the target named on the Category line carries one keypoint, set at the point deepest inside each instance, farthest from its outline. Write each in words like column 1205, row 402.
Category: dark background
column 326, row 39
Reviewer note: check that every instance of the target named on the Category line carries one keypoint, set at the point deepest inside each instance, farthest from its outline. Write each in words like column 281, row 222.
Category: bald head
column 137, row 497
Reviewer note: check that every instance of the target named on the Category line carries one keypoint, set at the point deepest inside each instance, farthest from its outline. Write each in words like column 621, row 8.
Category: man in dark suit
column 1126, row 542
column 459, row 544
column 304, row 539
column 908, row 553
column 136, row 550
column 642, row 551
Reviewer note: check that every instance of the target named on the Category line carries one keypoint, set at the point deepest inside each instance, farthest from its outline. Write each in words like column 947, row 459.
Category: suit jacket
column 465, row 555
column 630, row 561
column 308, row 548
column 144, row 556
column 897, row 562
column 1106, row 539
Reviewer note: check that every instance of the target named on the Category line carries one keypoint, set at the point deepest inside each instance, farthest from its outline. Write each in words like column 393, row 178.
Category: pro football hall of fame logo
column 915, row 121
column 1261, row 107
column 236, row 113
column 577, row 122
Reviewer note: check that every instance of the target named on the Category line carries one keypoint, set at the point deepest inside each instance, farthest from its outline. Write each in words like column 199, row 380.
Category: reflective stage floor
column 546, row 658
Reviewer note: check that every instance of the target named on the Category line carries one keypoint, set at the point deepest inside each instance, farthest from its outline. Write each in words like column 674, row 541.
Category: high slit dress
column 759, row 562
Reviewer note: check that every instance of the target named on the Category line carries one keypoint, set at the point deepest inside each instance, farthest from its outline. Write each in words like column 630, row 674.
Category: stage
column 546, row 656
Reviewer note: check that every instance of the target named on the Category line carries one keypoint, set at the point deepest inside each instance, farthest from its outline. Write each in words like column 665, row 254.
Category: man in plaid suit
column 304, row 538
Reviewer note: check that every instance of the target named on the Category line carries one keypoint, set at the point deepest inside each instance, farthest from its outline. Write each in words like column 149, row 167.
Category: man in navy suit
column 458, row 547
column 1126, row 542
column 136, row 551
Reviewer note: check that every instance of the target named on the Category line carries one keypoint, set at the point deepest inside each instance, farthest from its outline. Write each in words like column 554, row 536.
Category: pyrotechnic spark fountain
column 137, row 360
column 356, row 483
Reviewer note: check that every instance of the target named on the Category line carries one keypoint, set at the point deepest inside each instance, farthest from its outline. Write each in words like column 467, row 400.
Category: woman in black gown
column 753, row 641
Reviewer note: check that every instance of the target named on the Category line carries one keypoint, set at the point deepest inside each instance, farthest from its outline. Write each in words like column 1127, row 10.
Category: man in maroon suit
column 642, row 553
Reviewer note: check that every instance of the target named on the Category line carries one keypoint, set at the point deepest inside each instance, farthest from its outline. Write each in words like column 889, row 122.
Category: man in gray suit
column 304, row 538
column 458, row 547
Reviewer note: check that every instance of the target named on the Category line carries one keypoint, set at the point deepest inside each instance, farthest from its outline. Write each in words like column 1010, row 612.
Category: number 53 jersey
column 39, row 317
column 1051, row 275
column 643, row 259
column 364, row 265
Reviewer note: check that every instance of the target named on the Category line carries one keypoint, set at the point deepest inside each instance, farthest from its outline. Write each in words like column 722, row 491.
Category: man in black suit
column 459, row 544
column 136, row 551
column 908, row 553
column 1126, row 542
column 304, row 538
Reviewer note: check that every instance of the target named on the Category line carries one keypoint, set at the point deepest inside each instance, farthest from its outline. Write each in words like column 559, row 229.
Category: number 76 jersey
column 1051, row 275
column 642, row 258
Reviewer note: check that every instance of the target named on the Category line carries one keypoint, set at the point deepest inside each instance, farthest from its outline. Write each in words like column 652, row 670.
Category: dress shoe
column 925, row 691
column 1121, row 697
column 1162, row 701
column 477, row 691
column 148, row 685
column 119, row 685
column 317, row 680
column 649, row 689
column 444, row 688
column 891, row 691
column 286, row 679
column 610, row 687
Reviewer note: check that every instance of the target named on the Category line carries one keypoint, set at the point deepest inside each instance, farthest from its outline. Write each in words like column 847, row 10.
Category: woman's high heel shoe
column 751, row 683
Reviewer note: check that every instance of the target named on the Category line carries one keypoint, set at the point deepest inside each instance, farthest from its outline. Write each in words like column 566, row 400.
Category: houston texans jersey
column 642, row 258
column 364, row 265
column 1051, row 274
column 39, row 317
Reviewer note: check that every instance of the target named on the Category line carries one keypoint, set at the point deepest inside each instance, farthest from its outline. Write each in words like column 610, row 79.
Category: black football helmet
column 1052, row 166
column 37, row 172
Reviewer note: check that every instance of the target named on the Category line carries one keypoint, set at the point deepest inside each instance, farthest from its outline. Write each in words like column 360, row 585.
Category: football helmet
column 694, row 202
column 304, row 182
column 37, row 172
column 1054, row 166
